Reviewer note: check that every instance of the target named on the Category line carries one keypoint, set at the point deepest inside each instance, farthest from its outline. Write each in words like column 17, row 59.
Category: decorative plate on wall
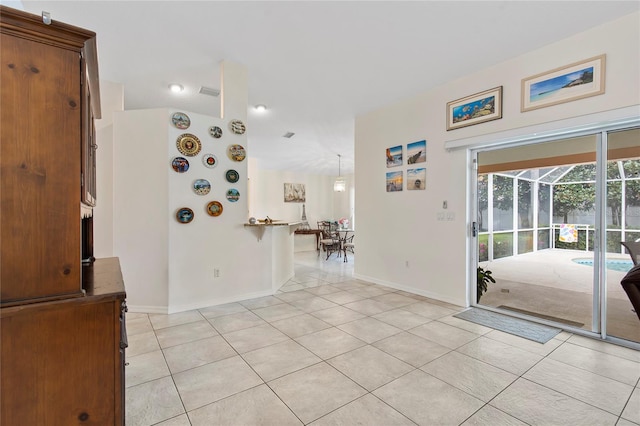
column 201, row 186
column 209, row 160
column 180, row 164
column 215, row 132
column 181, row 120
column 233, row 195
column 237, row 127
column 214, row 208
column 237, row 152
column 184, row 215
column 188, row 144
column 232, row 176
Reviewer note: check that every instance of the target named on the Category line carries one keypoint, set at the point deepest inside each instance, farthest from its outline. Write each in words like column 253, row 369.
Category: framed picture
column 417, row 152
column 394, row 181
column 565, row 84
column 394, row 156
column 475, row 109
column 416, row 179
column 294, row 193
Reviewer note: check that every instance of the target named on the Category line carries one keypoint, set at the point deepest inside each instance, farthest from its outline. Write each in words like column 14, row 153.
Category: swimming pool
column 613, row 264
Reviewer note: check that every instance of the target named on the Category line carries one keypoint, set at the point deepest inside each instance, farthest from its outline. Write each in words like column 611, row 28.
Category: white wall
column 111, row 100
column 140, row 219
column 169, row 266
column 400, row 242
column 267, row 199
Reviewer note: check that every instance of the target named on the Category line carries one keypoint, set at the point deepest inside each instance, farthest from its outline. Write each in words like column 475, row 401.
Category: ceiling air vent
column 209, row 91
column 288, row 135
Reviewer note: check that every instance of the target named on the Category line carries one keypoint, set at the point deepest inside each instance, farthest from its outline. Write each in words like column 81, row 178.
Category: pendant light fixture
column 339, row 185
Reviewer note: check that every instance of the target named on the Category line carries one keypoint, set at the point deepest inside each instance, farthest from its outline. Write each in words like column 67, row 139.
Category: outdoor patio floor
column 548, row 283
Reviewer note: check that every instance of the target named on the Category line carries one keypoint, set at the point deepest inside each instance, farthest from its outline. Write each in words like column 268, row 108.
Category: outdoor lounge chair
column 633, row 247
column 631, row 285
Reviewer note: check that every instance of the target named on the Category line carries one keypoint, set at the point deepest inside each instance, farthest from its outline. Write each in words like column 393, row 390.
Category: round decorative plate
column 237, row 127
column 201, row 186
column 214, row 208
column 232, row 176
column 181, row 120
column 184, row 215
column 233, row 195
column 180, row 164
column 237, row 152
column 215, row 132
column 188, row 144
column 210, row 160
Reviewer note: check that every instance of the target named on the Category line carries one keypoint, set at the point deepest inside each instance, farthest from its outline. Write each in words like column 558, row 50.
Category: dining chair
column 329, row 240
column 348, row 244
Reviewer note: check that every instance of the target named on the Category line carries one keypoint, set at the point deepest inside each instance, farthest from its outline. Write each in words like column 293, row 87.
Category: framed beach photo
column 394, row 181
column 417, row 152
column 416, row 179
column 565, row 84
column 475, row 109
column 394, row 156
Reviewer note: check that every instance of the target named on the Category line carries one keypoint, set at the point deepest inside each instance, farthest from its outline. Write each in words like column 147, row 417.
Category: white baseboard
column 199, row 305
column 142, row 309
column 420, row 292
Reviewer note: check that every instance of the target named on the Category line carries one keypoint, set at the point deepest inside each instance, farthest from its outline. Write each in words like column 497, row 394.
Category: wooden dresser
column 61, row 319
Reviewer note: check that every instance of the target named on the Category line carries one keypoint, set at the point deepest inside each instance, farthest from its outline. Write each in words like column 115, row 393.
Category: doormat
column 516, row 326
column 546, row 317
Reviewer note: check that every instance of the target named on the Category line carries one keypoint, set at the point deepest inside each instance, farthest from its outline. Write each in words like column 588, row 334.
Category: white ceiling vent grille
column 209, row 91
column 288, row 135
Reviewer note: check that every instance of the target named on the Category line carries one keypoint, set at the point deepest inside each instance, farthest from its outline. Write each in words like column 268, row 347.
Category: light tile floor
column 331, row 350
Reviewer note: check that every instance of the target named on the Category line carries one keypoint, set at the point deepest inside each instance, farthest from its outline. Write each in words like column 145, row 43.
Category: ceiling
column 316, row 65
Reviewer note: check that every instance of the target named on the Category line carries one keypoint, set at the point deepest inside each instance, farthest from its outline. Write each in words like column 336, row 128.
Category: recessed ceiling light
column 261, row 108
column 176, row 88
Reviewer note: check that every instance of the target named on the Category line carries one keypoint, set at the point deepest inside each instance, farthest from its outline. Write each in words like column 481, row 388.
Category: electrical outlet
column 216, row 272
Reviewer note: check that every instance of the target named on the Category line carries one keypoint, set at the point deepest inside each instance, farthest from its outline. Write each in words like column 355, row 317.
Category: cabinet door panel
column 59, row 365
column 40, row 170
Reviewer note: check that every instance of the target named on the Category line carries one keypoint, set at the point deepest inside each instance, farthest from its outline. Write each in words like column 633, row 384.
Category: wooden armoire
column 62, row 324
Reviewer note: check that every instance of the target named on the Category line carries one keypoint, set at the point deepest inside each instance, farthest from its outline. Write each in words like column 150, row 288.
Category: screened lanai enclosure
column 550, row 220
column 553, row 207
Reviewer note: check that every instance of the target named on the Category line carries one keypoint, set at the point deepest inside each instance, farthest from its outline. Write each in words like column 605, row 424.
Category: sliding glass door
column 549, row 218
column 622, row 225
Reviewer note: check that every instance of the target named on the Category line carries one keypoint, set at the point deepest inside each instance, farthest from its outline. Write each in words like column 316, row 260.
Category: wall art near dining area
column 233, row 195
column 215, row 132
column 567, row 83
column 394, row 156
column 214, row 208
column 236, row 152
column 394, row 181
column 237, row 127
column 180, row 164
column 294, row 193
column 232, row 176
column 209, row 160
column 417, row 152
column 475, row 109
column 201, row 186
column 181, row 120
column 188, row 144
column 184, row 215
column 416, row 179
